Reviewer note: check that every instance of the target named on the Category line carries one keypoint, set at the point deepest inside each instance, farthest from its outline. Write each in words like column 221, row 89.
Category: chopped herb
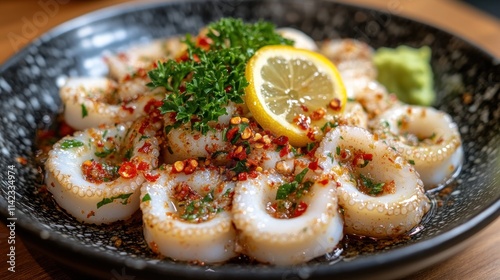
column 331, row 157
column 146, row 197
column 104, row 134
column 143, row 137
column 71, row 143
column 124, row 197
column 84, row 111
column 217, row 75
column 310, row 146
column 288, row 188
column 337, row 150
column 128, row 154
column 106, row 152
column 329, row 125
column 411, row 161
column 372, row 187
column 240, row 167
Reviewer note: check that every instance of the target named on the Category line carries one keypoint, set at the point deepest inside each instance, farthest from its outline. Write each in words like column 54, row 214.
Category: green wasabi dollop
column 406, row 72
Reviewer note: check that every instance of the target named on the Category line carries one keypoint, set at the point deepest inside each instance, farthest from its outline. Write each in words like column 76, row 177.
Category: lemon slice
column 291, row 89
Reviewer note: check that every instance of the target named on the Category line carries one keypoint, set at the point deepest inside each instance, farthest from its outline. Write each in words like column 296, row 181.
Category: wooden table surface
column 479, row 261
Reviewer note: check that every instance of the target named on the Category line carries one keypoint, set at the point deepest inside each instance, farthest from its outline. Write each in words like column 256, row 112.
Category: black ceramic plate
column 29, row 100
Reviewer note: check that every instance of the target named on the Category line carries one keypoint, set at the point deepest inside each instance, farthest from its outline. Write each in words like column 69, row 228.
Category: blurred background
column 489, row 6
column 476, row 20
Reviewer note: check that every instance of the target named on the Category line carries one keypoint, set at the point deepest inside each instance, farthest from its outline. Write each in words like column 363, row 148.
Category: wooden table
column 479, row 261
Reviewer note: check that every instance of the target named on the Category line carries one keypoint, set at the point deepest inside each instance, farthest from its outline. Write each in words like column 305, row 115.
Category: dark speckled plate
column 29, row 100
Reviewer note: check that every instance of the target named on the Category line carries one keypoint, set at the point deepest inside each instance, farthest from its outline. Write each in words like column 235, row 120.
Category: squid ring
column 291, row 240
column 95, row 175
column 187, row 217
column 425, row 136
column 90, row 102
column 380, row 193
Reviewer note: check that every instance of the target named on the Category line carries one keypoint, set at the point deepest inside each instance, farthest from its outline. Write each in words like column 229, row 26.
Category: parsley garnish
column 146, row 197
column 71, row 143
column 288, row 188
column 216, row 76
column 84, row 111
column 372, row 187
column 106, row 152
column 124, row 197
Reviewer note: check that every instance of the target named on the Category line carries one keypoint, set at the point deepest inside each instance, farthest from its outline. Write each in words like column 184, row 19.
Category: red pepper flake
column 231, row 133
column 304, row 108
column 90, row 214
column 301, row 208
column 361, row 159
column 128, row 109
column 203, row 42
column 151, row 178
column 282, row 140
column 146, row 148
column 324, row 182
column 313, row 165
column 127, row 170
column 303, row 122
column 228, row 88
column 253, row 174
column 243, row 176
column 143, row 166
column 127, row 78
column 285, row 151
column 311, row 134
column 184, row 192
column 318, row 114
column 152, row 105
column 335, row 104
column 143, row 127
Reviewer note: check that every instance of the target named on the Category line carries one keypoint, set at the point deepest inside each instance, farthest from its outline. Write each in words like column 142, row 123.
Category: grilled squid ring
column 285, row 241
column 130, row 67
column 425, row 136
column 95, row 175
column 90, row 102
column 362, row 165
column 175, row 224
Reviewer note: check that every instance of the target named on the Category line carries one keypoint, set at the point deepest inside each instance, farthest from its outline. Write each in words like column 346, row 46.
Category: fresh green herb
column 104, row 134
column 411, row 161
column 288, row 188
column 337, row 150
column 106, row 152
column 329, row 125
column 146, row 197
column 84, row 111
column 248, row 37
column 128, row 154
column 209, row 197
column 143, row 137
column 372, row 187
column 240, row 167
column 71, row 143
column 331, row 157
column 124, row 197
column 310, row 146
column 216, row 76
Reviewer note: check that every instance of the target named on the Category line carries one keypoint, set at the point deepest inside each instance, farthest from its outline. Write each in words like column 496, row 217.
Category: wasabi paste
column 406, row 72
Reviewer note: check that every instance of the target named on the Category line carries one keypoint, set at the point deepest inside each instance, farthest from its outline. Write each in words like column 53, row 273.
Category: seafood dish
column 247, row 139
